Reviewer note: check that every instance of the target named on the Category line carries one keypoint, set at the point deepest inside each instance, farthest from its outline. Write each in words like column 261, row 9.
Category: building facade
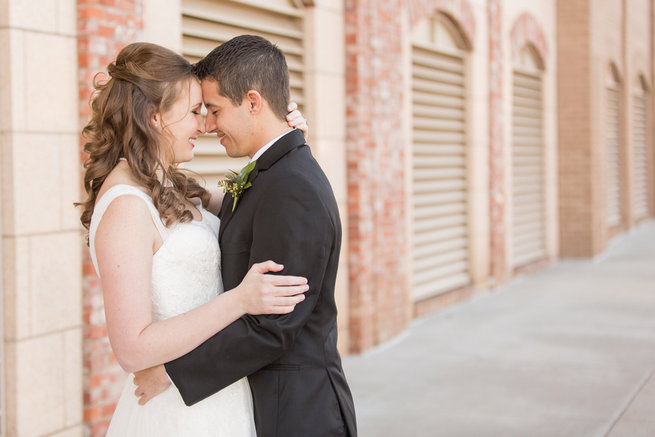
column 467, row 142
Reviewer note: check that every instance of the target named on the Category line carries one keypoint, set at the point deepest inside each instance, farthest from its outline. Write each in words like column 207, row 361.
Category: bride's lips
column 192, row 141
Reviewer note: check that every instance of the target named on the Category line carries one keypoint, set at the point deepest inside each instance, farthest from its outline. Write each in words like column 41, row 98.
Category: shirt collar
column 267, row 146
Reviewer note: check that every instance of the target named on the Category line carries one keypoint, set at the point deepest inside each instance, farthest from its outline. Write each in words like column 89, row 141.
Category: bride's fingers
column 286, row 291
column 282, row 281
column 266, row 266
column 295, row 116
column 283, row 310
column 281, row 301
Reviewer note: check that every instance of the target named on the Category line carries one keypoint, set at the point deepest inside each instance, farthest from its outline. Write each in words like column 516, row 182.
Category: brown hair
column 144, row 79
column 249, row 62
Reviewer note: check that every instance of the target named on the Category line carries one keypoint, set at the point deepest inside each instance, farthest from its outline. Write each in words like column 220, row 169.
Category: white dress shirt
column 267, row 146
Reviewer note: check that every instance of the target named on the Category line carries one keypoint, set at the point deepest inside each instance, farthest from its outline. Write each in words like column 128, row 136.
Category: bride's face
column 183, row 121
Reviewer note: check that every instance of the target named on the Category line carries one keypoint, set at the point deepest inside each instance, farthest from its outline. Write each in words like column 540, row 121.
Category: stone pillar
column 325, row 108
column 497, row 195
column 103, row 29
column 380, row 303
column 40, row 228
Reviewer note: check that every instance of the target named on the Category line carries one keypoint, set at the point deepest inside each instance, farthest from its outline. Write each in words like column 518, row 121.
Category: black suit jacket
column 290, row 216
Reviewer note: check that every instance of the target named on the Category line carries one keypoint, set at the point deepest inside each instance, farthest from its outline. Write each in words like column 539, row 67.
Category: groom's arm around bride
column 289, row 215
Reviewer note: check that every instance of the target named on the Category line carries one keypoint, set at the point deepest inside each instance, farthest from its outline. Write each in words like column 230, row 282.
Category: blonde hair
column 145, row 79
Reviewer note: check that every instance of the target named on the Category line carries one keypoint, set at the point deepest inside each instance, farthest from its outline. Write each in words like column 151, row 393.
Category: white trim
column 3, row 398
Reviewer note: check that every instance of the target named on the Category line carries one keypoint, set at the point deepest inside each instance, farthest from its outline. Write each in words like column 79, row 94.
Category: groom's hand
column 150, row 382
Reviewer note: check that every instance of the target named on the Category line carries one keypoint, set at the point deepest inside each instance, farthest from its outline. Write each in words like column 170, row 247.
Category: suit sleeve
column 293, row 228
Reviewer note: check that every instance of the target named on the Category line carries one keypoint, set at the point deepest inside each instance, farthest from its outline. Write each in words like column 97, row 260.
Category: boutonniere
column 235, row 183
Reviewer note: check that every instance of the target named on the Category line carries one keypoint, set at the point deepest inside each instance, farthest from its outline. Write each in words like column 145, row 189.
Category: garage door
column 613, row 155
column 640, row 154
column 528, row 189
column 440, row 253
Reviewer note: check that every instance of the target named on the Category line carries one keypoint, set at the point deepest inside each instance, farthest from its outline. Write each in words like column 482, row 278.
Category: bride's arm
column 125, row 241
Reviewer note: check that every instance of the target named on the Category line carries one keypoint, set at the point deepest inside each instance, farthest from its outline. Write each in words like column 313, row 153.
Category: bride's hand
column 295, row 119
column 270, row 294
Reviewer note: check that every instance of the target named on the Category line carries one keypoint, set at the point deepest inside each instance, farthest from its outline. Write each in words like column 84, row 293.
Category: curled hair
column 145, row 79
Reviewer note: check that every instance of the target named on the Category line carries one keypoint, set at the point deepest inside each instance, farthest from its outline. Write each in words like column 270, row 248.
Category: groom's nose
column 210, row 125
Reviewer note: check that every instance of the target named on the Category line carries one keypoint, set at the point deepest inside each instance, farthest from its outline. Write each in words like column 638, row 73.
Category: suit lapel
column 281, row 147
column 225, row 213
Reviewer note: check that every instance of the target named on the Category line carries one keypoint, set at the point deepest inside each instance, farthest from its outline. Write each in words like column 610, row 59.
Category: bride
column 154, row 242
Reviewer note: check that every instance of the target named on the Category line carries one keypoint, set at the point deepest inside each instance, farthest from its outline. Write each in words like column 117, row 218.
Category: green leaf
column 245, row 171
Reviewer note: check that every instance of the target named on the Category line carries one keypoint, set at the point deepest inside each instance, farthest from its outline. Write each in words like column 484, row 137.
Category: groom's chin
column 231, row 152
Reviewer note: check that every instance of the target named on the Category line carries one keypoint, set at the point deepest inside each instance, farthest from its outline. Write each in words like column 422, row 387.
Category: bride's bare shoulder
column 120, row 175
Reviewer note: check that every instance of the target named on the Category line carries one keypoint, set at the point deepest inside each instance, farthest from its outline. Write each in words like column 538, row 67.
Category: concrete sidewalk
column 569, row 351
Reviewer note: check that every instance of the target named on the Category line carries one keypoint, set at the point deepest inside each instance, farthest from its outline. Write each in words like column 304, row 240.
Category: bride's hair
column 145, row 79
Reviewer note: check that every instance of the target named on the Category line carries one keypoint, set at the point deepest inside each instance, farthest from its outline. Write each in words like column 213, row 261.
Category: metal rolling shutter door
column 440, row 241
column 528, row 212
column 208, row 23
column 613, row 158
column 640, row 156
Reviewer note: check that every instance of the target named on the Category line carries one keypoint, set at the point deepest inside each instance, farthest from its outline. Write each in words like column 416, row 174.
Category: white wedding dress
column 185, row 274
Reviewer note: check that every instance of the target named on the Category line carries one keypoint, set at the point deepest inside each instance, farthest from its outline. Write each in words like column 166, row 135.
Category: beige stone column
column 162, row 23
column 325, row 110
column 41, row 269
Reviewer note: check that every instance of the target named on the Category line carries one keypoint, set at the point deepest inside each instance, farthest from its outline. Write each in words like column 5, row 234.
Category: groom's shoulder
column 297, row 170
column 297, row 163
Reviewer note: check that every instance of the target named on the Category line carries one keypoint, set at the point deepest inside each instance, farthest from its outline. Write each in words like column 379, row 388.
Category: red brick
column 98, row 44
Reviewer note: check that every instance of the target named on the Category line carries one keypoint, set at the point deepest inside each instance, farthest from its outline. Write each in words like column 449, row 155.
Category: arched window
column 528, row 163
column 439, row 158
column 640, row 150
column 613, row 144
column 206, row 24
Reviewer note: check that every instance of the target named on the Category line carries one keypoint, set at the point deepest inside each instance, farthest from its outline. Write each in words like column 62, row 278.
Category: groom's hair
column 245, row 63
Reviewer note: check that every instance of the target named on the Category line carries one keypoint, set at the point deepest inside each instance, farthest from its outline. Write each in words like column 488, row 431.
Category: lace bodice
column 186, row 268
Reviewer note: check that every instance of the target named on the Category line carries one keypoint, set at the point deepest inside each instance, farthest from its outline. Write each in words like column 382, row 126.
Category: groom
column 288, row 215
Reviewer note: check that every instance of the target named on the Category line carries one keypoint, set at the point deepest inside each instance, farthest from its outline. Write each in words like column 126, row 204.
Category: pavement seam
column 619, row 415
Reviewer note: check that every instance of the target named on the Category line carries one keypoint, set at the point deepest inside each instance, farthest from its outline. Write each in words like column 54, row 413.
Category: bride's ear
column 254, row 101
column 156, row 120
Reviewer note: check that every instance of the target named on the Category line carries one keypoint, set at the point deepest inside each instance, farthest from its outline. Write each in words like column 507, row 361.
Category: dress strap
column 104, row 202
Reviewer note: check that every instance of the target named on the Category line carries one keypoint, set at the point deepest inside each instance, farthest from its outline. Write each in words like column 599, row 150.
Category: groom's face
column 232, row 124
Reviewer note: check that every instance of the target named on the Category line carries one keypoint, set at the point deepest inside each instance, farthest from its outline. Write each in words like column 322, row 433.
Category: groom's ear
column 254, row 101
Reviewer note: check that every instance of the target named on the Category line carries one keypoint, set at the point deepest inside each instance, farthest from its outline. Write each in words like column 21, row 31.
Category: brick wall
column 379, row 297
column 618, row 33
column 104, row 27
column 574, row 139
